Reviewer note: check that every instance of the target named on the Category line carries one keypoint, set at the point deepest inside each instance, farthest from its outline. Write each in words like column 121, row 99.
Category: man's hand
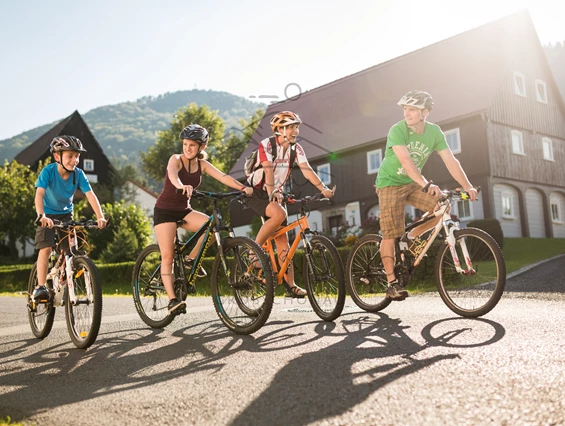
column 473, row 193
column 327, row 192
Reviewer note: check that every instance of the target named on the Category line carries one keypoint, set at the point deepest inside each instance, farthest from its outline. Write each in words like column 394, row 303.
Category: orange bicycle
column 324, row 276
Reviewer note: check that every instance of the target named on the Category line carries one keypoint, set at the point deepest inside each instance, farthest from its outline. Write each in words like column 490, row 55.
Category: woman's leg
column 194, row 221
column 166, row 233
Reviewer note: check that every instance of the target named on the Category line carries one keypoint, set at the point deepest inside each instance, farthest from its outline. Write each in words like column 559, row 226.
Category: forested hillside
column 125, row 129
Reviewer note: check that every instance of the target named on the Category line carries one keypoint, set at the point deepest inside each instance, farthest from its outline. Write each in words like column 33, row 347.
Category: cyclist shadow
column 333, row 380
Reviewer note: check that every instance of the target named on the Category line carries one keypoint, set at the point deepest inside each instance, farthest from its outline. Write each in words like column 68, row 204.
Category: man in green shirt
column 410, row 142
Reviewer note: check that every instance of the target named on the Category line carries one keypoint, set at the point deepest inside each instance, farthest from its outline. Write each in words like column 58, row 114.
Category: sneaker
column 175, row 307
column 40, row 293
column 201, row 273
column 395, row 291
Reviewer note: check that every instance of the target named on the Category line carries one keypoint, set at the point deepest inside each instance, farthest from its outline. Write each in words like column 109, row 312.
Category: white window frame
column 547, row 153
column 541, row 91
column 507, row 195
column 469, row 207
column 378, row 153
column 555, row 210
column 324, row 175
column 519, row 77
column 520, row 139
column 457, row 149
column 88, row 165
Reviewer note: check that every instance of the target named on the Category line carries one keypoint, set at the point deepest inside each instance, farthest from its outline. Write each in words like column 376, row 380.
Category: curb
column 533, row 265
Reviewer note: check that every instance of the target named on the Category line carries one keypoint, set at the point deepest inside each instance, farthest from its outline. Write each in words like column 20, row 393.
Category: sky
column 59, row 56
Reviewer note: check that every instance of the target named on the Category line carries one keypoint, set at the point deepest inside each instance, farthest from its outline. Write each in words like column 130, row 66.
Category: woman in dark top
column 184, row 171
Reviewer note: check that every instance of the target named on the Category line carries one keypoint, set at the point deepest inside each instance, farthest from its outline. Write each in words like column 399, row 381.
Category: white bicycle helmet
column 417, row 99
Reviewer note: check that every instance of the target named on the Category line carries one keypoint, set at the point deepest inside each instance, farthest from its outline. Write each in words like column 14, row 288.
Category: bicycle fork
column 450, row 227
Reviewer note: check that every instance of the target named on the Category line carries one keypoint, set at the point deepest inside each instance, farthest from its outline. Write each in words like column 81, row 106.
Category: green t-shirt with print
column 420, row 147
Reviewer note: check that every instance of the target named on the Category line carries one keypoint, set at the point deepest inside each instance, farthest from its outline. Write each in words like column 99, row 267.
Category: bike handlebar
column 83, row 223
column 289, row 198
column 450, row 193
column 217, row 195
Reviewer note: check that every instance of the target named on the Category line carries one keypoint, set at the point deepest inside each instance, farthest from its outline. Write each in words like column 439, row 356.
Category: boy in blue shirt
column 55, row 190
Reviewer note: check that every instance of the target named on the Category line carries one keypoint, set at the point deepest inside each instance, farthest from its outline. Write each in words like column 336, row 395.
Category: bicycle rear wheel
column 476, row 292
column 243, row 296
column 149, row 294
column 84, row 316
column 324, row 278
column 40, row 315
column 366, row 276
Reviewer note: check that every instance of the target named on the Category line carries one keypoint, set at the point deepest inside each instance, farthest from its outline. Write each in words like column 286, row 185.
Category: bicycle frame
column 302, row 223
column 449, row 226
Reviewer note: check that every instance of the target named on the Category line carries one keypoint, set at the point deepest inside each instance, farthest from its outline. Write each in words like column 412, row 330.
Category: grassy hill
column 125, row 129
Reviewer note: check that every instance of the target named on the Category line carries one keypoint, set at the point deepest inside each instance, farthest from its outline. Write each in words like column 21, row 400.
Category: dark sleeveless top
column 169, row 199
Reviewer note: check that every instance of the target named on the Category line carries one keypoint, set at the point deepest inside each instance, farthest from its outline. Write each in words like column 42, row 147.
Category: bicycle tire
column 149, row 294
column 366, row 276
column 244, row 306
column 42, row 315
column 327, row 293
column 471, row 295
column 84, row 317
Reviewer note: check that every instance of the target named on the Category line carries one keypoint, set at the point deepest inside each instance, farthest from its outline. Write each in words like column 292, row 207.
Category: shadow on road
column 311, row 387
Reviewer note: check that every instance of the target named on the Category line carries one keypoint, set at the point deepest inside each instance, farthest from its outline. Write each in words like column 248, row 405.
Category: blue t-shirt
column 59, row 193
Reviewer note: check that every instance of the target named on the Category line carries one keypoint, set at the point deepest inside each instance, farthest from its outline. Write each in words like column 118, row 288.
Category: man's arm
column 412, row 171
column 314, row 179
column 456, row 171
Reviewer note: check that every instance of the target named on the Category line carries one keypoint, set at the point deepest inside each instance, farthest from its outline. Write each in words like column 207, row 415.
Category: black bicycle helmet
column 417, row 99
column 66, row 143
column 196, row 133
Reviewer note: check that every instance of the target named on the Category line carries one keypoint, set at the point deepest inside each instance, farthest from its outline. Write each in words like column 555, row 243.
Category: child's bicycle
column 470, row 271
column 323, row 269
column 73, row 282
column 242, row 299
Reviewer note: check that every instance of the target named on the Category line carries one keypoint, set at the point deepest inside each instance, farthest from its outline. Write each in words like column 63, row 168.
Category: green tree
column 122, row 216
column 17, row 212
column 124, row 247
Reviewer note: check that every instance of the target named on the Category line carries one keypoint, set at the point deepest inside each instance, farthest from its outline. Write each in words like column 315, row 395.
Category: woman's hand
column 248, row 191
column 187, row 190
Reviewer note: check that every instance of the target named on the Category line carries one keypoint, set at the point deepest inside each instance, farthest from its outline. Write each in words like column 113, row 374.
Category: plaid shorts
column 392, row 200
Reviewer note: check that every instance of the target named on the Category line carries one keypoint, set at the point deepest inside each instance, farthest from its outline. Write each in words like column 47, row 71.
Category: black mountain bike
column 73, row 282
column 242, row 298
column 470, row 271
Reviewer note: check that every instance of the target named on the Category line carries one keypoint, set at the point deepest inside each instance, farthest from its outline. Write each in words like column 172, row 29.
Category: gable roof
column 462, row 73
column 39, row 150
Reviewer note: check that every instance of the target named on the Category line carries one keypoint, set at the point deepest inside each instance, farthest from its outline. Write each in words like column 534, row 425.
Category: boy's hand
column 101, row 223
column 44, row 221
column 327, row 192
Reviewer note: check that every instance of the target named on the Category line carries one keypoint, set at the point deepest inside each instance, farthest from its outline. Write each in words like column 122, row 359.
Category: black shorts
column 47, row 237
column 259, row 201
column 165, row 216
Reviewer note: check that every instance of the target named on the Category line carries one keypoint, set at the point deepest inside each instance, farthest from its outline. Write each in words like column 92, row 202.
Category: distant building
column 497, row 102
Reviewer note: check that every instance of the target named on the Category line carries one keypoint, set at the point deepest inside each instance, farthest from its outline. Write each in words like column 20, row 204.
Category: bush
column 490, row 226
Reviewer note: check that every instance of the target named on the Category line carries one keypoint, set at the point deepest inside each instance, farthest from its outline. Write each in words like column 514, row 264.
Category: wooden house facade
column 497, row 102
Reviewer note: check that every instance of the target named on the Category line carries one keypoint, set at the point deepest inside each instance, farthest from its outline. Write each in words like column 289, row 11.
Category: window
column 453, row 139
column 555, row 213
column 464, row 210
column 547, row 149
column 517, row 142
column 88, row 165
column 374, row 161
column 324, row 173
column 519, row 84
column 507, row 205
column 335, row 223
column 541, row 91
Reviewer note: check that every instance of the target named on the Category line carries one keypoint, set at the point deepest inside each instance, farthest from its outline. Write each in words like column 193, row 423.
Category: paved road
column 413, row 364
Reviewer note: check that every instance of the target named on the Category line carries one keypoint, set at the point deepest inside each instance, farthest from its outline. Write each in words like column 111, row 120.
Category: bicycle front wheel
column 476, row 291
column 366, row 276
column 324, row 278
column 149, row 294
column 40, row 315
column 243, row 295
column 84, row 315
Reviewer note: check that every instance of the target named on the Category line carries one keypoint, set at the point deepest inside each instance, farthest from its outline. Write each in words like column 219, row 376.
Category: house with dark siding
column 497, row 102
column 94, row 162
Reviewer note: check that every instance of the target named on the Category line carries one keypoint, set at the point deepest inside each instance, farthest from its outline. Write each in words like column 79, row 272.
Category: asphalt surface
column 415, row 363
